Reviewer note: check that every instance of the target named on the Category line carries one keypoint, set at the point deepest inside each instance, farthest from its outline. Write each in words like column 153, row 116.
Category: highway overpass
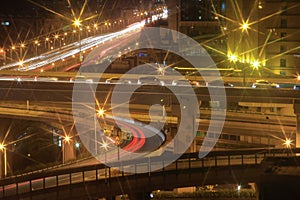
column 52, row 102
column 96, row 181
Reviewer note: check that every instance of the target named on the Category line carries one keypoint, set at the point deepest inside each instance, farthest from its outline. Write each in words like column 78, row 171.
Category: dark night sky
column 16, row 7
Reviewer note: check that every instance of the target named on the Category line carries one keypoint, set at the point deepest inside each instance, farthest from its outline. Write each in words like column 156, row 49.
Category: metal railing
column 38, row 181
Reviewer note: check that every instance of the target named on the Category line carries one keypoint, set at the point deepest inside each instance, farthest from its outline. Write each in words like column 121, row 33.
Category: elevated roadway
column 96, row 181
column 52, row 101
column 237, row 123
column 62, row 92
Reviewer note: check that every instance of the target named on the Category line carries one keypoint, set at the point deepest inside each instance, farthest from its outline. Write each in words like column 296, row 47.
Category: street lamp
column 287, row 143
column 77, row 24
column 161, row 70
column 56, row 37
column 66, row 139
column 118, row 145
column 245, row 26
column 232, row 58
column 36, row 42
column 21, row 50
column 47, row 44
column 100, row 112
column 11, row 52
column 105, row 146
column 255, row 64
column 3, row 149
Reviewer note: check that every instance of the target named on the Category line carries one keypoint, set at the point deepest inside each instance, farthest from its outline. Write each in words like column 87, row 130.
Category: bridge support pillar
column 173, row 20
column 3, row 163
column 297, row 112
column 68, row 145
column 184, row 140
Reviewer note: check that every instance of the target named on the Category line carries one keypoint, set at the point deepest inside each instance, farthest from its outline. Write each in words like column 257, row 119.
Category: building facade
column 280, row 30
column 261, row 37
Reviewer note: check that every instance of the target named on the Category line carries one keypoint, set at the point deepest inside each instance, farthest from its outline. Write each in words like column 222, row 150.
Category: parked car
column 264, row 84
column 117, row 80
column 112, row 80
column 150, row 80
column 296, row 87
column 181, row 82
column 216, row 83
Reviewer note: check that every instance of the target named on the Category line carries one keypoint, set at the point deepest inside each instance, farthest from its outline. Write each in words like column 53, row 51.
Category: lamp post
column 77, row 23
column 11, row 52
column 4, row 167
column 21, row 50
column 105, row 146
column 99, row 113
column 287, row 143
column 118, row 145
column 244, row 74
column 66, row 139
column 36, row 43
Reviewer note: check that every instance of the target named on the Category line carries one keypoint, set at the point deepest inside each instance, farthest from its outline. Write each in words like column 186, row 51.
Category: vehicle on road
column 183, row 82
column 117, row 80
column 264, row 84
column 219, row 83
column 113, row 80
column 150, row 80
column 296, row 87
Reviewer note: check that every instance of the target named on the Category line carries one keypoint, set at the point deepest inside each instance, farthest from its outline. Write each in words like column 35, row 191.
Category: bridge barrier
column 28, row 184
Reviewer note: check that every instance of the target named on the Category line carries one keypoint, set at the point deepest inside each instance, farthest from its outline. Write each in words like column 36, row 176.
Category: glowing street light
column 104, row 145
column 21, row 63
column 161, row 70
column 255, row 64
column 287, row 143
column 77, row 145
column 100, row 112
column 21, row 49
column 77, row 22
column 3, row 149
column 65, row 146
column 245, row 26
column 233, row 58
column 36, row 42
column 67, row 138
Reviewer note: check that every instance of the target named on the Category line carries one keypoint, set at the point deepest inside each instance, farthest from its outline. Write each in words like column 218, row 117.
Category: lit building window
column 283, row 73
column 283, row 23
column 282, row 49
column 223, row 6
column 283, row 10
column 282, row 62
column 283, row 34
